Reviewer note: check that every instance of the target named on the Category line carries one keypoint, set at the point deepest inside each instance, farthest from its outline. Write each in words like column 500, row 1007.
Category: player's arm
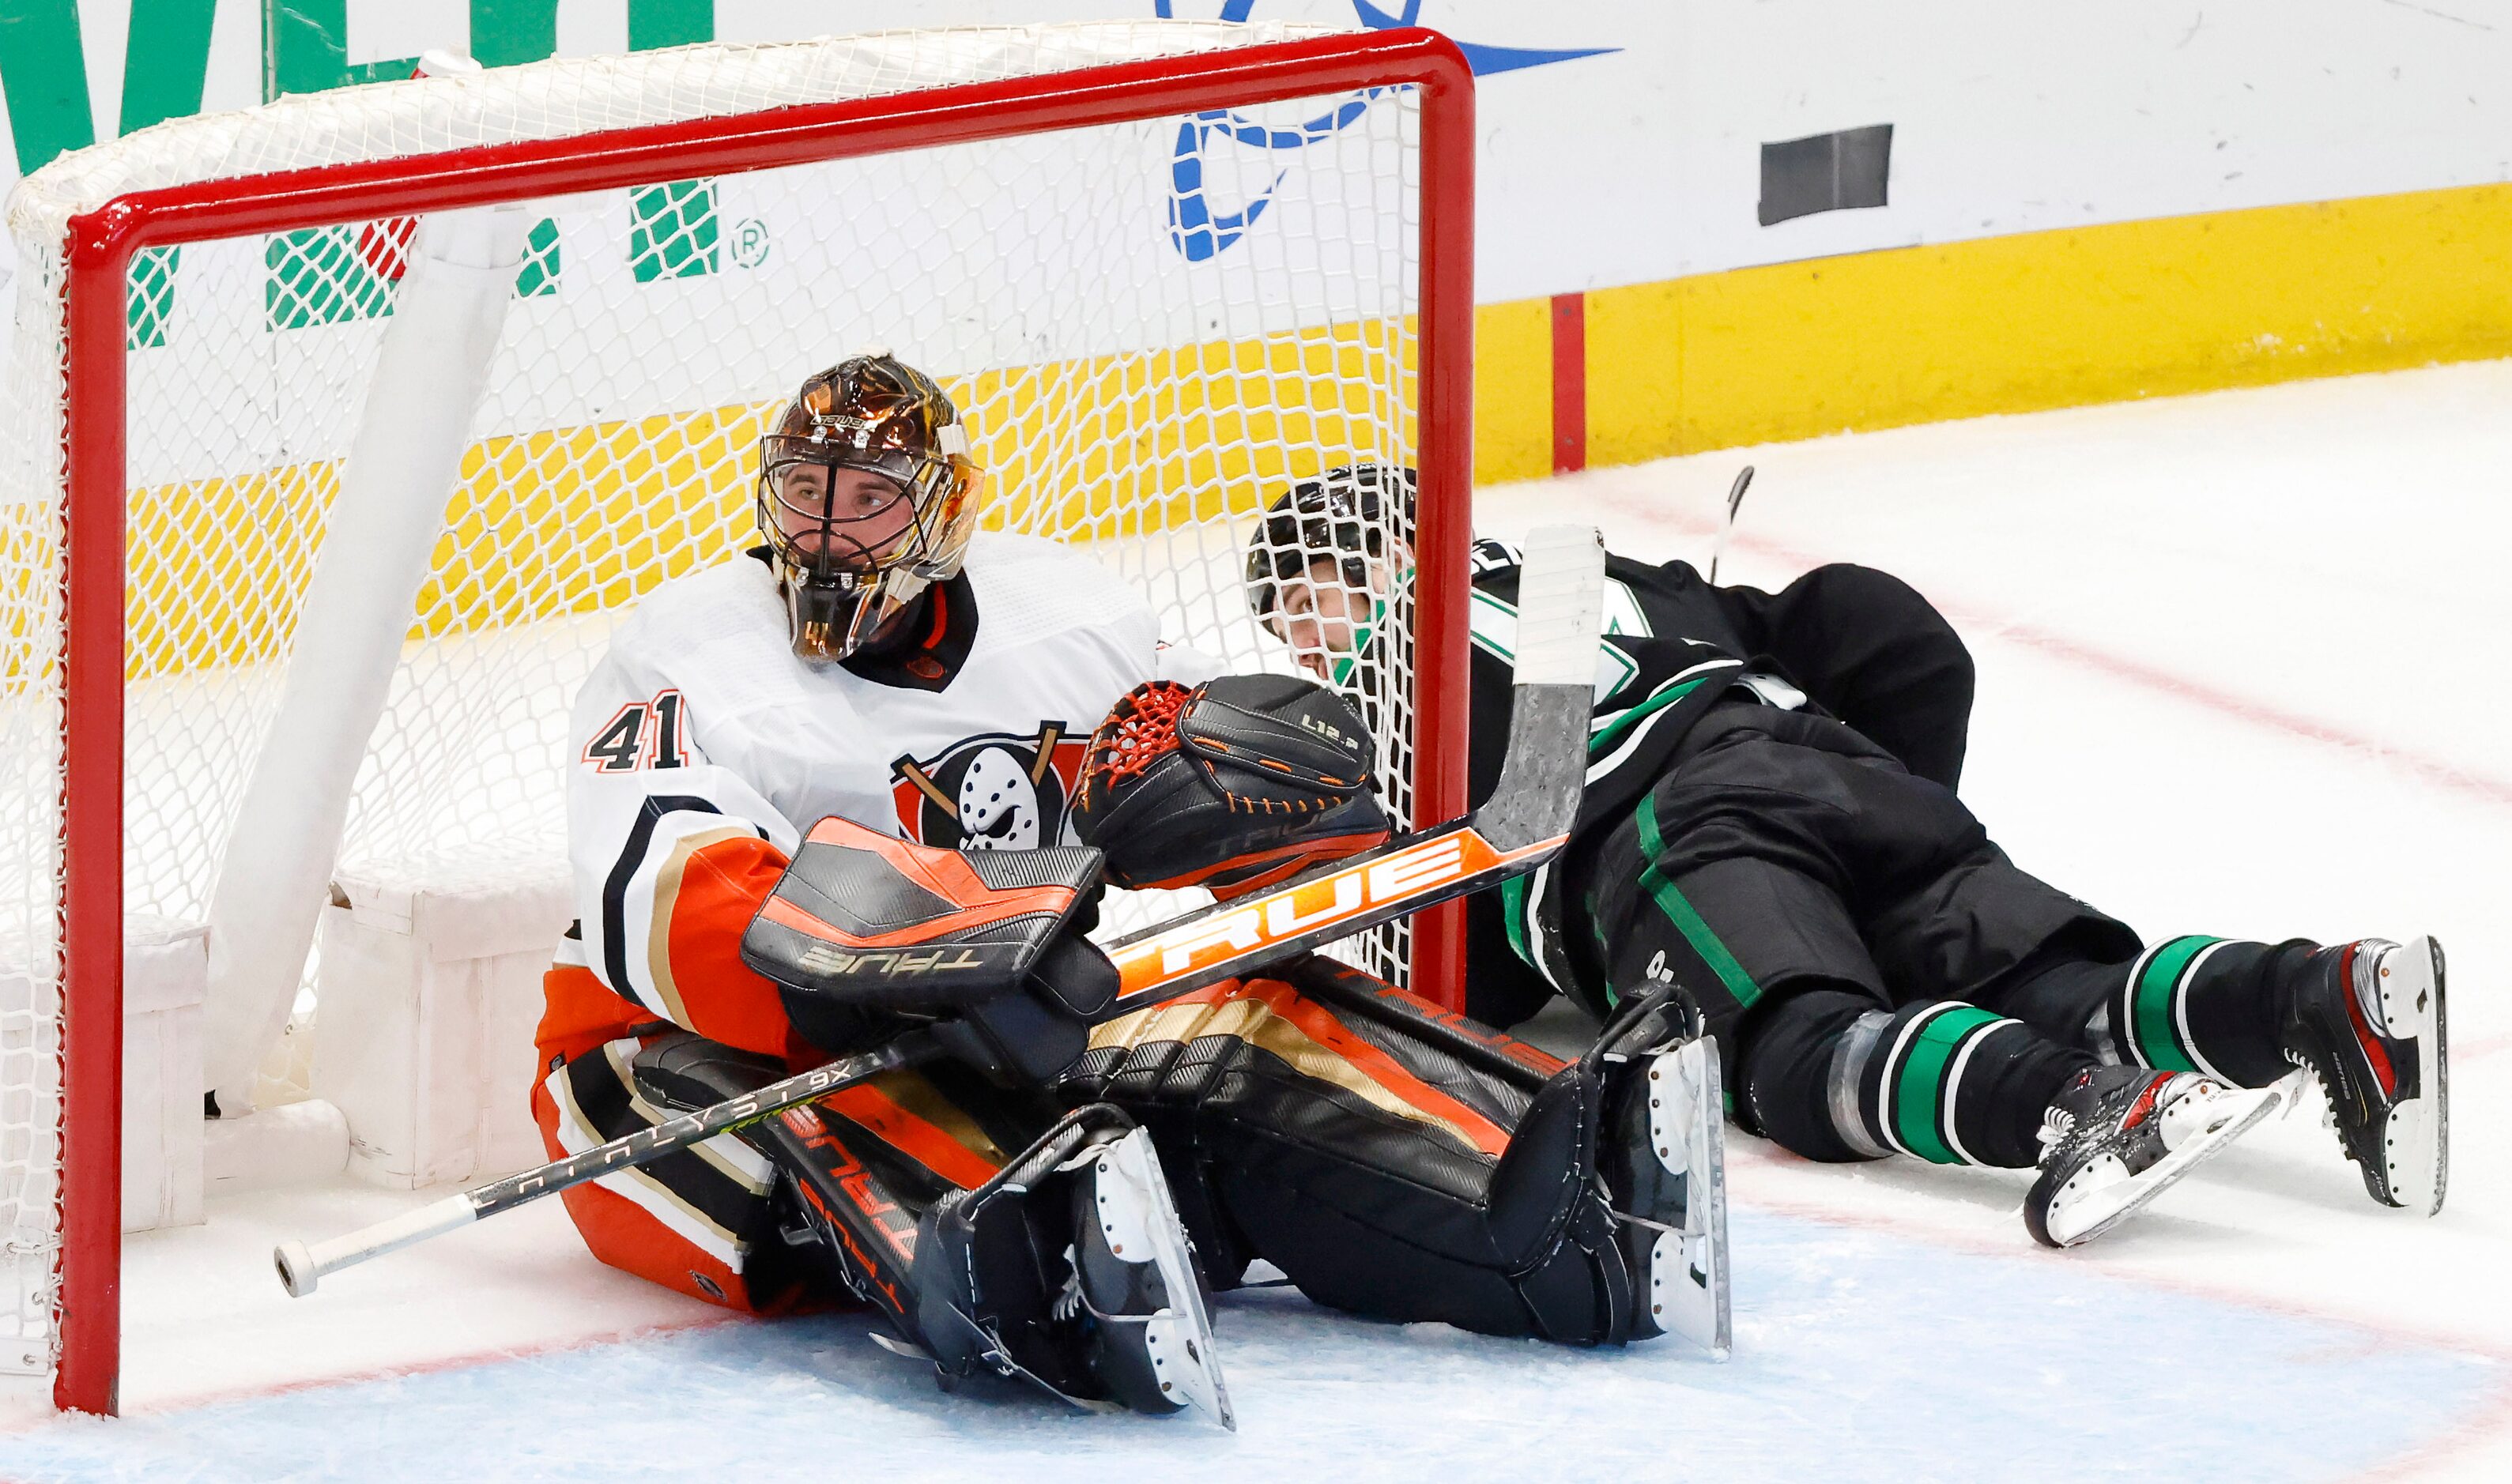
column 1873, row 652
column 672, row 854
column 1233, row 785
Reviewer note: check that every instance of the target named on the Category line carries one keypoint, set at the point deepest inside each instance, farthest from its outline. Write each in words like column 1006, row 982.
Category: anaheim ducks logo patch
column 996, row 792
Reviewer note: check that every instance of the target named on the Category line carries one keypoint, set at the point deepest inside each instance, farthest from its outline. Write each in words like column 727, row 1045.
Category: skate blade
column 1183, row 1330
column 1688, row 1288
column 1688, row 1291
column 2416, row 1138
column 1702, row 1310
column 2107, row 1208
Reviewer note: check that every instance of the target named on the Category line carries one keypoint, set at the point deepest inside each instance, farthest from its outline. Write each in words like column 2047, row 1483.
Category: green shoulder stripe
column 1620, row 726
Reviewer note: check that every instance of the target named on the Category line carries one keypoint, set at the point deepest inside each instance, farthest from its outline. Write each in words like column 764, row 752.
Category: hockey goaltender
column 851, row 716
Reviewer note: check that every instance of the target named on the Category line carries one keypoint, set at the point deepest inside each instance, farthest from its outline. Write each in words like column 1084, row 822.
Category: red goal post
column 97, row 260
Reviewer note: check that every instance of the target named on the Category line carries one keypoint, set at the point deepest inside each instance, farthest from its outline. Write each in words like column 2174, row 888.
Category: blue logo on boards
column 1195, row 229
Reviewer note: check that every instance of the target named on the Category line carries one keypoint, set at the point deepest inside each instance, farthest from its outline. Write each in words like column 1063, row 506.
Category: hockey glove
column 1233, row 787
column 989, row 944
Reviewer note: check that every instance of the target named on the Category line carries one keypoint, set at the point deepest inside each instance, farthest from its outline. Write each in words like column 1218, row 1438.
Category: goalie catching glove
column 1234, row 786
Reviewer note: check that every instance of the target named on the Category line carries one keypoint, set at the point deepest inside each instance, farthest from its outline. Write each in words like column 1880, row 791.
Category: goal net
column 377, row 521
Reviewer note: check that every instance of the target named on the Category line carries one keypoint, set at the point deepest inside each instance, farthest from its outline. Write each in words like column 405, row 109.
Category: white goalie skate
column 1664, row 1161
column 1685, row 1286
column 1135, row 1274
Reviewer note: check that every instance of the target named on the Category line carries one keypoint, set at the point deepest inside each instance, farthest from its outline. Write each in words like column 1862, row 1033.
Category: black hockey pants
column 1881, row 978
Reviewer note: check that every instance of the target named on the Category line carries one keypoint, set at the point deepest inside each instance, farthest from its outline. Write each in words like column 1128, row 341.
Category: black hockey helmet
column 1343, row 513
column 848, row 560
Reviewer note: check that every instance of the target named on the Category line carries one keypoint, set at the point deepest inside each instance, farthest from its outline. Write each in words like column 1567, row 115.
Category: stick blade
column 1560, row 606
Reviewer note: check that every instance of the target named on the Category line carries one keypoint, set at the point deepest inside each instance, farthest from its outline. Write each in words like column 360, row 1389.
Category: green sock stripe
column 1915, row 1089
column 1686, row 921
column 2156, row 1027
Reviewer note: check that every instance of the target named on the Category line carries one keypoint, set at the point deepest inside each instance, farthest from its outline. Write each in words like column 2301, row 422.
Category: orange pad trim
column 929, row 1143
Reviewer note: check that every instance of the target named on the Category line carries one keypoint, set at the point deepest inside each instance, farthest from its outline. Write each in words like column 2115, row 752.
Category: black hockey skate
column 1665, row 1162
column 2368, row 1021
column 2117, row 1137
column 1070, row 1269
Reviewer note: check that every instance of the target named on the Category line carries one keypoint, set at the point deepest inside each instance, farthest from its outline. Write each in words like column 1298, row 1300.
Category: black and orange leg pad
column 1389, row 1162
column 718, row 1222
column 704, row 1220
column 866, row 1162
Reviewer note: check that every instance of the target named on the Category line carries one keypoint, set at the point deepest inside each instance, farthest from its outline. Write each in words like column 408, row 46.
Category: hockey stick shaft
column 303, row 1265
column 1727, row 527
column 1524, row 823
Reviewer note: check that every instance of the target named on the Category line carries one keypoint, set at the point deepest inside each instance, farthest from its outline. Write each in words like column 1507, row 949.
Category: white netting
column 1152, row 329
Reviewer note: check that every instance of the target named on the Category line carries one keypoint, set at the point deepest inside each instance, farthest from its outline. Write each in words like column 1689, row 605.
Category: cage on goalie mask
column 849, row 560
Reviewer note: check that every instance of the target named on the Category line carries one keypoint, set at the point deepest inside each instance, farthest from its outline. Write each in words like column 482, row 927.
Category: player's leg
column 2367, row 1018
column 1780, row 849
column 926, row 1194
column 712, row 1221
column 1830, row 1077
column 1839, row 913
column 1803, row 886
column 1052, row 1256
column 704, row 1220
column 2215, row 1015
column 1402, row 1161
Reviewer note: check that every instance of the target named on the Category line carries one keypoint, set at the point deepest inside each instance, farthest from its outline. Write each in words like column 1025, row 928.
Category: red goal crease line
column 98, row 253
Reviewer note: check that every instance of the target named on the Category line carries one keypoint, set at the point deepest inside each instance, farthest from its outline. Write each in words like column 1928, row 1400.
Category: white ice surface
column 2241, row 663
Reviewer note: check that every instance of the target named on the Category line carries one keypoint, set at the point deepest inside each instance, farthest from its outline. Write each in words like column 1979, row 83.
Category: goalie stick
column 1524, row 824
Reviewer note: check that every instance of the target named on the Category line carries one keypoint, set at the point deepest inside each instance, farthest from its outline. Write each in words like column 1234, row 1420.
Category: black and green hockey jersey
column 1855, row 644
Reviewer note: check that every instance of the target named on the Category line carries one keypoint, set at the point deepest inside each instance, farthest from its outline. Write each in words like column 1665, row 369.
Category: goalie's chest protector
column 987, row 762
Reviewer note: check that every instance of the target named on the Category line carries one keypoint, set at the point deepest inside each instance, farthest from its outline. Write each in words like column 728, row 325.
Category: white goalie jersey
column 701, row 725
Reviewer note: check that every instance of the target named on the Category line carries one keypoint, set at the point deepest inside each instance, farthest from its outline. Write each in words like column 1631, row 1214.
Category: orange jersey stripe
column 723, row 998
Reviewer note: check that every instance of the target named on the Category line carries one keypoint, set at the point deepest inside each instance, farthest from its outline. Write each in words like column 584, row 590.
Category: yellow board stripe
column 2015, row 324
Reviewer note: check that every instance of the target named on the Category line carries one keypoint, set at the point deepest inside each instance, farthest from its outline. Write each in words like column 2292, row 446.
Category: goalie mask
column 1350, row 516
column 867, row 496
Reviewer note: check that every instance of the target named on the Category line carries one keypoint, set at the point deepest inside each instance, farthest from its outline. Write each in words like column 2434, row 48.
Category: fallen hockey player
column 1771, row 823
column 761, row 753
